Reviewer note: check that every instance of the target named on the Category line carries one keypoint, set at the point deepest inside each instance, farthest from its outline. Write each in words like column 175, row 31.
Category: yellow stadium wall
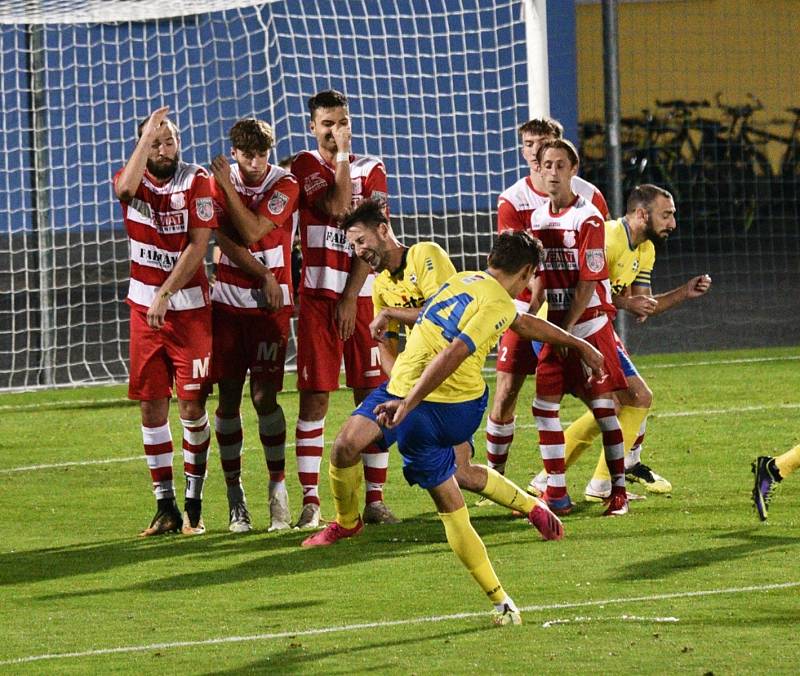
column 691, row 49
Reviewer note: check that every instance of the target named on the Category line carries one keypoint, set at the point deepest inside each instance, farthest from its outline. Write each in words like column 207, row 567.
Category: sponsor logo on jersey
column 314, row 182
column 277, row 202
column 177, row 200
column 205, row 208
column 336, row 239
column 595, row 259
column 559, row 299
column 153, row 257
column 560, row 259
column 170, row 222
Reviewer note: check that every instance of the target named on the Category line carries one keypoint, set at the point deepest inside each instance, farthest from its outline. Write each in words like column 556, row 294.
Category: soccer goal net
column 437, row 88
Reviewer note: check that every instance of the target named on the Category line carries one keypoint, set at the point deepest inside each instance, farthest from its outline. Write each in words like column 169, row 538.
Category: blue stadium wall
column 448, row 139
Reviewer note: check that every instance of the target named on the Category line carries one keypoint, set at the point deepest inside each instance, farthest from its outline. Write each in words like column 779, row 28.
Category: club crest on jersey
column 177, row 200
column 205, row 208
column 569, row 238
column 595, row 258
column 277, row 203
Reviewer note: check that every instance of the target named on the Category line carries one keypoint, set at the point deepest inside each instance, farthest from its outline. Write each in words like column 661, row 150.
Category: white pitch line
column 387, row 623
column 665, row 414
column 581, row 619
column 711, row 362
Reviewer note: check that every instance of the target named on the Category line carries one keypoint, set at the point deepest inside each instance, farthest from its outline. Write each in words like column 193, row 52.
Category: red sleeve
column 201, row 202
column 592, row 249
column 376, row 186
column 600, row 202
column 220, row 203
column 508, row 218
column 313, row 184
column 280, row 201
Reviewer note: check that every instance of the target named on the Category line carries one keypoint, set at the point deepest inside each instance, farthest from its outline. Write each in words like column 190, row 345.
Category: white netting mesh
column 436, row 87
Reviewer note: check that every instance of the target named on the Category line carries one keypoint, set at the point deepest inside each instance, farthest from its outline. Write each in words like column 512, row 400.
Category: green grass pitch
column 691, row 583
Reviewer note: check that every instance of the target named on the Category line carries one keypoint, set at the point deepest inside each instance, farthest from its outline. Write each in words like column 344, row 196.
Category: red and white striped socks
column 230, row 441
column 606, row 417
column 310, row 436
column 196, row 439
column 499, row 436
column 272, row 432
column 376, row 467
column 158, row 450
column 551, row 446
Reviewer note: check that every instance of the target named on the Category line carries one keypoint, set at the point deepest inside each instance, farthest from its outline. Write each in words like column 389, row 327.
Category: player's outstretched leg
column 469, row 548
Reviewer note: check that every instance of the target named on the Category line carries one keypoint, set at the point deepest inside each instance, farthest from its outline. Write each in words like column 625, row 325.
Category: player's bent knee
column 470, row 478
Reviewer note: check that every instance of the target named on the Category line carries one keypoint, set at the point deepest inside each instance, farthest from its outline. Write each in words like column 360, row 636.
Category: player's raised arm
column 250, row 225
column 128, row 181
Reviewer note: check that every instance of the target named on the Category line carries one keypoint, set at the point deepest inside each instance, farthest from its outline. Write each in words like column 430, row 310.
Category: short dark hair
column 370, row 213
column 252, row 135
column 643, row 196
column 542, row 126
column 328, row 98
column 560, row 144
column 513, row 250
column 167, row 121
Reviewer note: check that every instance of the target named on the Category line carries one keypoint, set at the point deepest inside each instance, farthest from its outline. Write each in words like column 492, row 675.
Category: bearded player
column 631, row 243
column 169, row 215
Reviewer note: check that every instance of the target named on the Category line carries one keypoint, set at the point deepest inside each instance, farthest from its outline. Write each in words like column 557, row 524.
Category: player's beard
column 163, row 170
column 649, row 231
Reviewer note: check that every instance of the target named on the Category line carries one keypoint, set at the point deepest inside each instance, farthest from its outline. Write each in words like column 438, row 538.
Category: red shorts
column 558, row 375
column 320, row 350
column 250, row 341
column 515, row 355
column 180, row 351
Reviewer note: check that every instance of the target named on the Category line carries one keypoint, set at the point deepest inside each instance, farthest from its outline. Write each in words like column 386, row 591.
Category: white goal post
column 436, row 87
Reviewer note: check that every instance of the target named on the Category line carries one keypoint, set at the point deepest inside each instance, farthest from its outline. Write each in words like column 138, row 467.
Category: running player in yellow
column 769, row 471
column 405, row 278
column 436, row 398
column 631, row 253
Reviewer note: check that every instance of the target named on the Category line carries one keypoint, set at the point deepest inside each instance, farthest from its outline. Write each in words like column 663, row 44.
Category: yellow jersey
column 627, row 265
column 425, row 267
column 471, row 306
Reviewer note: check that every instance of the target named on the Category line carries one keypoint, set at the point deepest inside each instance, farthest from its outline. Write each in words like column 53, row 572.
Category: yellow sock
column 630, row 420
column 506, row 493
column 788, row 462
column 345, row 485
column 469, row 547
column 579, row 436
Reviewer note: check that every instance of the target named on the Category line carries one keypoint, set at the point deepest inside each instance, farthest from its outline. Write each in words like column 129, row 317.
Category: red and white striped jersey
column 516, row 205
column 275, row 198
column 574, row 250
column 157, row 220
column 326, row 252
